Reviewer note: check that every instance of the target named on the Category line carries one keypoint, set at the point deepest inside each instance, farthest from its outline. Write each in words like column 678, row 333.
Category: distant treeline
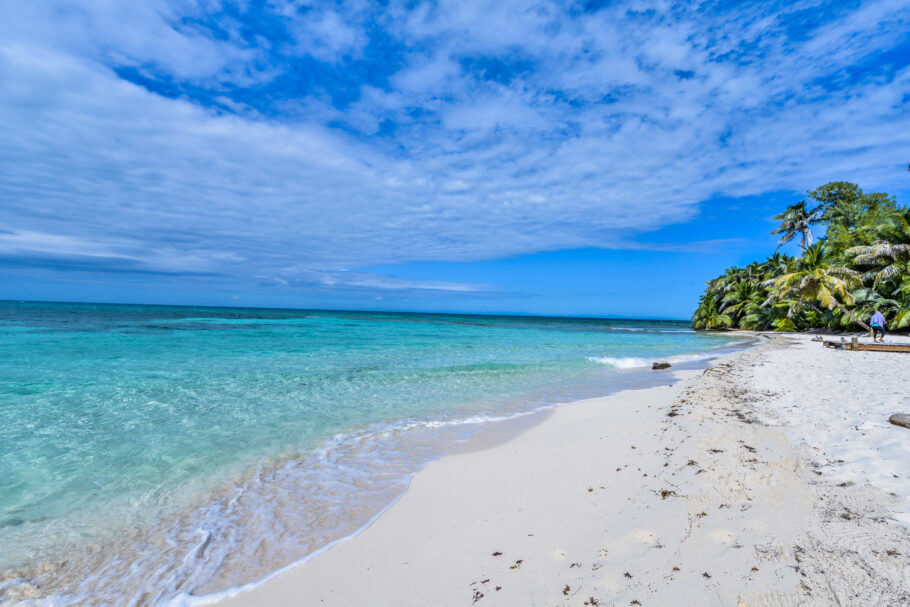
column 860, row 265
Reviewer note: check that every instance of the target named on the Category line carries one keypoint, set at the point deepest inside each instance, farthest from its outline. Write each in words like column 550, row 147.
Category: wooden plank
column 851, row 345
column 885, row 347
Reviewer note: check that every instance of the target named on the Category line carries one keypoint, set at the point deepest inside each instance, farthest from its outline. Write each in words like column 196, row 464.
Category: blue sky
column 515, row 157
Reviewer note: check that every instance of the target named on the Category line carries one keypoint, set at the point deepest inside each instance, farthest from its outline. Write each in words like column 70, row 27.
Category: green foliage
column 784, row 325
column 709, row 317
column 816, row 282
column 902, row 320
column 839, row 202
column 852, row 216
column 860, row 265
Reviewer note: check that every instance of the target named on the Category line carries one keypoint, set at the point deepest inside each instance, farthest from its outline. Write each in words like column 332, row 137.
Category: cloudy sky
column 600, row 158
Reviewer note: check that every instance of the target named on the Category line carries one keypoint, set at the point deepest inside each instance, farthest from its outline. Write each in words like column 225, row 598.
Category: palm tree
column 902, row 319
column 735, row 301
column 817, row 282
column 757, row 316
column 892, row 259
column 776, row 265
column 708, row 315
column 867, row 301
column 797, row 219
column 727, row 281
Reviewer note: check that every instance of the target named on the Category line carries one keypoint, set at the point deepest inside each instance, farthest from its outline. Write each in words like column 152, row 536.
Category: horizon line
column 388, row 311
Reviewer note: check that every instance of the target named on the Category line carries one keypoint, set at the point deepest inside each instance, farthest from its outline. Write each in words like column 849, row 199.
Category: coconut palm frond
column 719, row 321
column 845, row 273
column 818, row 282
column 881, row 249
column 888, row 272
column 786, row 238
column 869, row 259
column 730, row 298
column 869, row 276
column 797, row 219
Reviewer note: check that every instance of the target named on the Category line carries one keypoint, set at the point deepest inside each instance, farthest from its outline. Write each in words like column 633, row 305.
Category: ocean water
column 151, row 452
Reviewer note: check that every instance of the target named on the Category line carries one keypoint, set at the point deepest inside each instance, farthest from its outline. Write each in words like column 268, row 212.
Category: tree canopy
column 860, row 264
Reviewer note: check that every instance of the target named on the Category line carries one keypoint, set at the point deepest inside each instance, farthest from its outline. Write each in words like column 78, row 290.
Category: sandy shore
column 772, row 478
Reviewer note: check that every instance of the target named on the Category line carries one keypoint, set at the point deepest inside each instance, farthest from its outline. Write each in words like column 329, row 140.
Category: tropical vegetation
column 860, row 264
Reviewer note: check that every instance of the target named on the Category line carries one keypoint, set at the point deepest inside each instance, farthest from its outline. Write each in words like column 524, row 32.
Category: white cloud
column 371, row 281
column 595, row 128
column 26, row 241
column 154, row 33
column 325, row 35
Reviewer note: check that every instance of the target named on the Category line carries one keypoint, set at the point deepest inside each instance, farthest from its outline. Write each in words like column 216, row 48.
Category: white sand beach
column 773, row 478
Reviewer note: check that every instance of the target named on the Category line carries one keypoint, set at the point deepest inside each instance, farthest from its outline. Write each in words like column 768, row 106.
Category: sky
column 557, row 158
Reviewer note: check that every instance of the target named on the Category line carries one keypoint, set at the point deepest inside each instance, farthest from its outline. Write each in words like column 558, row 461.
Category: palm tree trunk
column 807, row 238
column 814, row 307
column 847, row 312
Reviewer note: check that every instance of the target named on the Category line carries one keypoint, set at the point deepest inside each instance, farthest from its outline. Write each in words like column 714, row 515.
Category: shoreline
column 498, row 432
column 638, row 378
column 491, row 434
column 757, row 500
column 270, row 469
column 495, row 436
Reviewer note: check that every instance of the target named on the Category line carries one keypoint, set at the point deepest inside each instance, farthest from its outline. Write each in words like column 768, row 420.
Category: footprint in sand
column 724, row 537
column 644, row 536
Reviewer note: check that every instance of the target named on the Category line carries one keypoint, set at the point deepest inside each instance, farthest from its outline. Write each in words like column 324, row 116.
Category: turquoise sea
column 151, row 452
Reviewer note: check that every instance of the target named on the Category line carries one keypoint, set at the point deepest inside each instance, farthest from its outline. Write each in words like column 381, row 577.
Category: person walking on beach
column 878, row 326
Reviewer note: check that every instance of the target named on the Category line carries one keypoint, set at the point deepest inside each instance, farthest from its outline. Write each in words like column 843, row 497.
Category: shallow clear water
column 151, row 451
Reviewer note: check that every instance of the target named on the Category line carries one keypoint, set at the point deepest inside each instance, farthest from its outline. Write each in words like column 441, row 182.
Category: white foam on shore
column 188, row 600
column 632, row 362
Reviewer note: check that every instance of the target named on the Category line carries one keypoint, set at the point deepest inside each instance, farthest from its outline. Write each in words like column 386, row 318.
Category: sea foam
column 634, row 362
